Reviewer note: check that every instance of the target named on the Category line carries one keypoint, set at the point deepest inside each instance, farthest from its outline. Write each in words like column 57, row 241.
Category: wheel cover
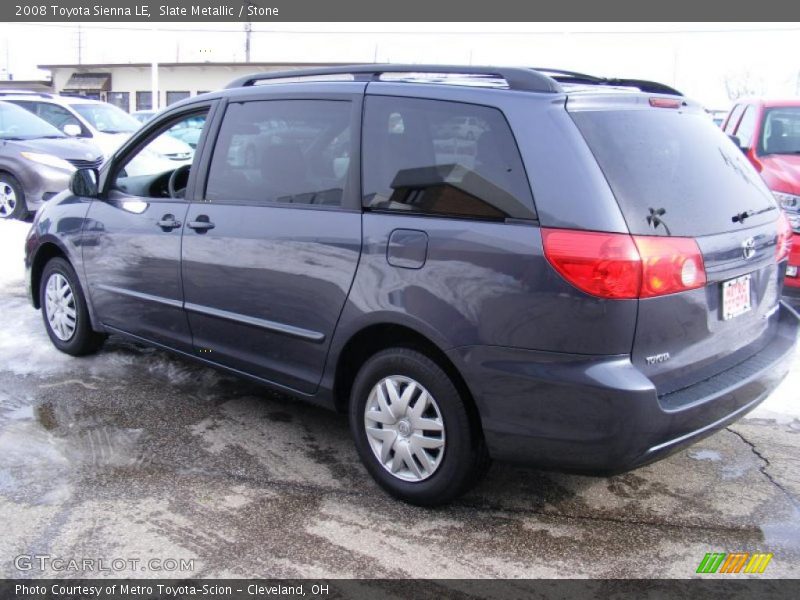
column 8, row 200
column 405, row 428
column 59, row 306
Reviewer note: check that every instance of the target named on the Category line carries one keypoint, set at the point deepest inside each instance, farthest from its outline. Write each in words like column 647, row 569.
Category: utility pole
column 248, row 30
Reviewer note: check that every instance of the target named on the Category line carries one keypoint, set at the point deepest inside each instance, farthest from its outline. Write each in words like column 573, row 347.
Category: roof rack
column 572, row 77
column 24, row 93
column 517, row 78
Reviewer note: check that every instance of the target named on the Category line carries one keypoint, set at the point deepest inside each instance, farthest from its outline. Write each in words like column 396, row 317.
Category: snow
column 25, row 348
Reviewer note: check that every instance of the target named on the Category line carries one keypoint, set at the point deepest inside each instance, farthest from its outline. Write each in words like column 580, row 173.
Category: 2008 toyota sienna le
column 588, row 281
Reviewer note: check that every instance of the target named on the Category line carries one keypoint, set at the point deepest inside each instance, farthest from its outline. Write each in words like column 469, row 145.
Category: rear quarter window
column 442, row 158
column 673, row 172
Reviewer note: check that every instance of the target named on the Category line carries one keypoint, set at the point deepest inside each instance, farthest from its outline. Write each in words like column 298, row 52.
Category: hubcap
column 8, row 200
column 404, row 428
column 59, row 305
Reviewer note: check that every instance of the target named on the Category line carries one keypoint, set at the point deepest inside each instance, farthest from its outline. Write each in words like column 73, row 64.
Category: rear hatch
column 675, row 174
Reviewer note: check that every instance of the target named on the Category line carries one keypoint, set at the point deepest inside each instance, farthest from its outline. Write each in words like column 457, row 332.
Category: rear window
column 673, row 172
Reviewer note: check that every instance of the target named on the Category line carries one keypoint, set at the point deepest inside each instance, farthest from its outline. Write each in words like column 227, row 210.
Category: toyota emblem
column 749, row 248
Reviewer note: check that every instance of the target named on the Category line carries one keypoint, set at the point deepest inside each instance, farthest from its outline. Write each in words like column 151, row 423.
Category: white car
column 107, row 125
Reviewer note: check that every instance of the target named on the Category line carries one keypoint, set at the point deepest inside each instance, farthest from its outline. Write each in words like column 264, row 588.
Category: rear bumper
column 601, row 414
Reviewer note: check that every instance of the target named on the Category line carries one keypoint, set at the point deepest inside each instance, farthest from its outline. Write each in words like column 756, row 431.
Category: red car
column 768, row 132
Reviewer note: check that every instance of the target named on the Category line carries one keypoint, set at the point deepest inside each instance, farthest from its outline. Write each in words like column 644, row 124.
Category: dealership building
column 129, row 85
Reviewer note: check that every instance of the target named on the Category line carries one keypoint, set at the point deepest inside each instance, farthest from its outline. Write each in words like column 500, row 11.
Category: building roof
column 198, row 64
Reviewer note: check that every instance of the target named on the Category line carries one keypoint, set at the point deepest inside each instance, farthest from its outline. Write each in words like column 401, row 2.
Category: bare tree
column 743, row 83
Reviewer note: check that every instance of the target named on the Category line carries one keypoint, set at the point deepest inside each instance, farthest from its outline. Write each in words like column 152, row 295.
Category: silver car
column 36, row 161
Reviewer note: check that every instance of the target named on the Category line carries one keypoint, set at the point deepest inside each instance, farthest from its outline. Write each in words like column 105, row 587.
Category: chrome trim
column 141, row 295
column 290, row 330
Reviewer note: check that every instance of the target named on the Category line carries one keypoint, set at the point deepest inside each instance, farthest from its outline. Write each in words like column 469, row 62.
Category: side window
column 733, row 118
column 160, row 168
column 56, row 115
column 286, row 151
column 747, row 127
column 443, row 158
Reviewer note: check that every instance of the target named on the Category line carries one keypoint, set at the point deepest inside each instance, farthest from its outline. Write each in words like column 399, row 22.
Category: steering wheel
column 172, row 184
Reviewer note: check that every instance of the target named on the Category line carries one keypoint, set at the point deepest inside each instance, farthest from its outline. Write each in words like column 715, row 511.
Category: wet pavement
column 136, row 454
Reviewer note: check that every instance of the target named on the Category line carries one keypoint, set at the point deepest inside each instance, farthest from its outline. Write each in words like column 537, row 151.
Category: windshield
column 107, row 118
column 18, row 124
column 781, row 131
column 674, row 172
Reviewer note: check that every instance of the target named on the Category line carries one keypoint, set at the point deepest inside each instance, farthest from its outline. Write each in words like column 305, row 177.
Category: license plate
column 736, row 297
column 791, row 271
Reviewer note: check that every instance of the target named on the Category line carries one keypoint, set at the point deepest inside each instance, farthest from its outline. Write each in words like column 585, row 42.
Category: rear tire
column 63, row 305
column 427, row 452
column 12, row 198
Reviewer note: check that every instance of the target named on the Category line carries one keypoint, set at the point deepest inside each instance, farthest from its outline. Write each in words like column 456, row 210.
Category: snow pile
column 12, row 251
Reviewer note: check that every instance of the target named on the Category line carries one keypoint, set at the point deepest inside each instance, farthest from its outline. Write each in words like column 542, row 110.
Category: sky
column 703, row 60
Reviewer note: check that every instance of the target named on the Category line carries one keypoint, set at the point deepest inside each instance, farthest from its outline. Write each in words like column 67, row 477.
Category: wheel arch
column 371, row 339
column 46, row 252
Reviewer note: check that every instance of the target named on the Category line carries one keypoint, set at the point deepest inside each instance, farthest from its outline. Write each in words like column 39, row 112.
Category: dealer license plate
column 791, row 271
column 736, row 297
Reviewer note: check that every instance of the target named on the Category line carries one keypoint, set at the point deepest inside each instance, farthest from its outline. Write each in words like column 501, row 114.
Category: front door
column 272, row 246
column 132, row 242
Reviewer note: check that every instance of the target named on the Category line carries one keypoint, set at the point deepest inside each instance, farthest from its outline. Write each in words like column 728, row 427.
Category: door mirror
column 84, row 183
column 71, row 129
column 738, row 142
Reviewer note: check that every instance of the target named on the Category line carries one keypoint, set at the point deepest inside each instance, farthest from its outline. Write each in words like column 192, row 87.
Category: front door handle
column 168, row 223
column 201, row 225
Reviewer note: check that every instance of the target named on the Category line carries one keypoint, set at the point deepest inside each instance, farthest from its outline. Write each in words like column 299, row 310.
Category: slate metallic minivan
column 589, row 281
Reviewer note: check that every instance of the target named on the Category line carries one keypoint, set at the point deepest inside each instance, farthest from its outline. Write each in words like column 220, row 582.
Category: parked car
column 36, row 161
column 103, row 123
column 594, row 284
column 718, row 116
column 768, row 132
column 143, row 116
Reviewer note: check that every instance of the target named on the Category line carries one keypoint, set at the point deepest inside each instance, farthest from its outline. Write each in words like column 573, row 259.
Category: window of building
column 173, row 97
column 120, row 100
column 144, row 100
column 282, row 151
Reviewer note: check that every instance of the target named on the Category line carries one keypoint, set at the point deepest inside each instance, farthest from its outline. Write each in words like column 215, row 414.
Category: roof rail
column 24, row 93
column 517, row 78
column 644, row 85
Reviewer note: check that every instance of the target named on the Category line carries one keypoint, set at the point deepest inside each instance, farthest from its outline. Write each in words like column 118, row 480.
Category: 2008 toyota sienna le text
column 588, row 279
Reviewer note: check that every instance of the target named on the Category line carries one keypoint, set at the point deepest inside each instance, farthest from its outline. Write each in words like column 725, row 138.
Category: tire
column 449, row 468
column 75, row 335
column 12, row 198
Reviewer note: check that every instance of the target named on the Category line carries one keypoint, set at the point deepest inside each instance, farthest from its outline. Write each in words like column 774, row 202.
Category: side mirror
column 738, row 143
column 71, row 129
column 84, row 183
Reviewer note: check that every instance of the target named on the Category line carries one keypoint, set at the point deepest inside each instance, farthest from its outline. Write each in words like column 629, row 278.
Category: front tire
column 12, row 198
column 64, row 311
column 412, row 429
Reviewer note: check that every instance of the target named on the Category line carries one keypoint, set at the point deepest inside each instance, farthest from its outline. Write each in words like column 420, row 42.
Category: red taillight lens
column 669, row 265
column 784, row 245
column 619, row 266
column 601, row 264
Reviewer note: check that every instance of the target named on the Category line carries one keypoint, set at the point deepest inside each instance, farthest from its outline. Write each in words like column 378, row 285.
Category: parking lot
column 134, row 453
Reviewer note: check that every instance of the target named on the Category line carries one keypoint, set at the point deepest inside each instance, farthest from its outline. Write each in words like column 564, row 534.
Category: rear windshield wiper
column 740, row 217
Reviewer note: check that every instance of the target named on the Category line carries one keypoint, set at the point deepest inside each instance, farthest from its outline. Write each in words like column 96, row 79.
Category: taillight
column 619, row 266
column 669, row 265
column 784, row 244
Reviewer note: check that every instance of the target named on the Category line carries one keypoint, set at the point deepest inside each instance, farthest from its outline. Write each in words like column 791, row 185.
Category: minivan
column 589, row 284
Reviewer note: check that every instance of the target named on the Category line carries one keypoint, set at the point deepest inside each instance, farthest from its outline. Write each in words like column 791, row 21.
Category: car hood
column 164, row 144
column 67, row 148
column 781, row 172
